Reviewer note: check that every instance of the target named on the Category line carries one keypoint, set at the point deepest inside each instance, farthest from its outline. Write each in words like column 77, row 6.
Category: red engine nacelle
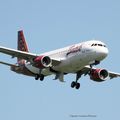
column 42, row 62
column 99, row 75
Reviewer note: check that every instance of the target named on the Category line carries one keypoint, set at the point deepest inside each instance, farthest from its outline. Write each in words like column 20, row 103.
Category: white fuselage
column 74, row 57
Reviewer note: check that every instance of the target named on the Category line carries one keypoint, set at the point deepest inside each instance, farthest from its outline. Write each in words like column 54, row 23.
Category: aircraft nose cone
column 104, row 53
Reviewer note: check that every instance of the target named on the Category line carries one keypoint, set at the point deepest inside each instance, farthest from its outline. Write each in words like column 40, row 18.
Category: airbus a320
column 78, row 59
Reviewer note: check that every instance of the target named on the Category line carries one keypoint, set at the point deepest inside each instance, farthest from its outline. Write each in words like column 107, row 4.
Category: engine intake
column 42, row 62
column 99, row 75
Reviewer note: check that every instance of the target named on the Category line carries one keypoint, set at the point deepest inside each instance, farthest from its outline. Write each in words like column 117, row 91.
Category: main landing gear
column 41, row 77
column 75, row 84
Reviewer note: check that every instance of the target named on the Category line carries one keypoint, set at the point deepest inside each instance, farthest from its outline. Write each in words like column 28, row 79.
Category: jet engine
column 99, row 75
column 42, row 62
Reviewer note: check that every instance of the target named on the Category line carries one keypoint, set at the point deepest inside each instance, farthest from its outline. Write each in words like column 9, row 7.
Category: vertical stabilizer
column 21, row 45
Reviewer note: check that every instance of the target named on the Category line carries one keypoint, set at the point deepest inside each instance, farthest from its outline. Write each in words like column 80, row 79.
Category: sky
column 52, row 24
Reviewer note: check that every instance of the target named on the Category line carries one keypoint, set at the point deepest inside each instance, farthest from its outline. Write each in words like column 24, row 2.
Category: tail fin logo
column 22, row 45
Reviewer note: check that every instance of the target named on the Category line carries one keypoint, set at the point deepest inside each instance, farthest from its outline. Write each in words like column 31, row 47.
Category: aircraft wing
column 112, row 75
column 23, row 55
column 17, row 53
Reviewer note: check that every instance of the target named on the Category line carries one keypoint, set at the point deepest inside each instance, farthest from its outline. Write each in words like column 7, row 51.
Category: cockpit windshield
column 95, row 44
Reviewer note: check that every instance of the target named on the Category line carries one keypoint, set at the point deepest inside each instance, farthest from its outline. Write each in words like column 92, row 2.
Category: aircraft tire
column 41, row 77
column 37, row 77
column 77, row 85
column 73, row 84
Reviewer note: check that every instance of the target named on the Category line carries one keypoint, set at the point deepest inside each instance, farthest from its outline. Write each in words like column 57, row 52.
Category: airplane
column 78, row 59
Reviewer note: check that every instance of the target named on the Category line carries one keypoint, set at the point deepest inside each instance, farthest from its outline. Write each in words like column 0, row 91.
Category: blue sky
column 52, row 24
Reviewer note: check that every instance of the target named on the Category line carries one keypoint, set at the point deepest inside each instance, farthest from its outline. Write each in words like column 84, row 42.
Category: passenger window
column 100, row 45
column 95, row 44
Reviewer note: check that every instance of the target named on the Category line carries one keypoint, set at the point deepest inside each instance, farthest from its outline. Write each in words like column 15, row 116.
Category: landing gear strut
column 75, row 83
column 91, row 66
column 95, row 63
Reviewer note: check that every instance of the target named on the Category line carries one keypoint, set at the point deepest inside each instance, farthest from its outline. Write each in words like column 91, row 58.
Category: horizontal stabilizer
column 8, row 64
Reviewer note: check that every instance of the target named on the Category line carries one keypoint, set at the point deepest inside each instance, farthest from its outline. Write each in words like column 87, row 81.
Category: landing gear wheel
column 41, row 77
column 73, row 84
column 37, row 77
column 77, row 85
